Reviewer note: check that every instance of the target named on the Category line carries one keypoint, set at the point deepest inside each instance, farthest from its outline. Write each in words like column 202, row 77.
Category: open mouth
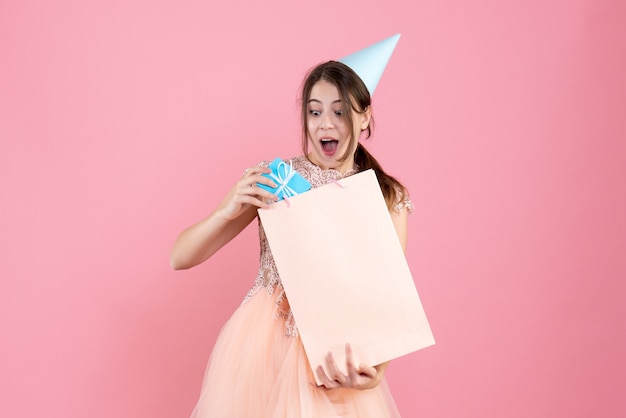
column 329, row 146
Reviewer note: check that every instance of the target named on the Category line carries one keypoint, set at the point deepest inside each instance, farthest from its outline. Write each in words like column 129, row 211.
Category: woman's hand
column 363, row 377
column 201, row 240
column 245, row 194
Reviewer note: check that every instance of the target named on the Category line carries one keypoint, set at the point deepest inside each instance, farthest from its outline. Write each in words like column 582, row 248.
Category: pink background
column 124, row 121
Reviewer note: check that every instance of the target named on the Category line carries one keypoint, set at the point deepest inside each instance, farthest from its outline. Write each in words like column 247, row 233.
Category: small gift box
column 288, row 180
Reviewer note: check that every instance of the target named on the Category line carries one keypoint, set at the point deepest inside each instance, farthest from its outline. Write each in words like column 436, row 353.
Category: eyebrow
column 317, row 101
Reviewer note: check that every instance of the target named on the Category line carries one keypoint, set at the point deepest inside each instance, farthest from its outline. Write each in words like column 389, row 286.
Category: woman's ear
column 365, row 118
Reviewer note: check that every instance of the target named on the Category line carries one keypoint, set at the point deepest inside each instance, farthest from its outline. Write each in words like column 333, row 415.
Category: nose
column 326, row 122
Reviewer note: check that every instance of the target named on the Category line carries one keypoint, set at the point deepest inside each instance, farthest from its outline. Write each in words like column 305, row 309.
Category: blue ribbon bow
column 289, row 182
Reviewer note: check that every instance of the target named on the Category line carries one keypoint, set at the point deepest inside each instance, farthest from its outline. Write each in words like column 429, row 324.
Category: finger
column 333, row 370
column 368, row 371
column 252, row 180
column 323, row 378
column 258, row 192
column 352, row 370
column 266, row 196
column 249, row 185
column 263, row 180
column 251, row 200
column 257, row 169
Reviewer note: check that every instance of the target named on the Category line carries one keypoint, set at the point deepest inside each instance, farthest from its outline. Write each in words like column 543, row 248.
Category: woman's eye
column 314, row 112
column 338, row 112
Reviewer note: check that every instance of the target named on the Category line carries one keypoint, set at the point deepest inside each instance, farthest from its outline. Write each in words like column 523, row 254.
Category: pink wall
column 123, row 121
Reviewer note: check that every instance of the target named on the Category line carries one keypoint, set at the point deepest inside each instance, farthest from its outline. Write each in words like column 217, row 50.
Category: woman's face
column 327, row 129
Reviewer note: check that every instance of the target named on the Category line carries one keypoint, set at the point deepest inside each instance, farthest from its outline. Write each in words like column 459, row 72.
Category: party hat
column 370, row 63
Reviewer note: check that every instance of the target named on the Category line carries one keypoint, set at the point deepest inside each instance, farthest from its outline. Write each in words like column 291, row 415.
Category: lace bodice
column 268, row 278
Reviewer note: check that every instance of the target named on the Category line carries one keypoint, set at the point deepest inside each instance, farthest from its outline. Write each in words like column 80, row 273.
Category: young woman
column 258, row 367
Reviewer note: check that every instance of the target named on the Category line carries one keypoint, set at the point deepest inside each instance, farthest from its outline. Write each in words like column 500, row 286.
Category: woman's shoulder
column 402, row 200
column 404, row 203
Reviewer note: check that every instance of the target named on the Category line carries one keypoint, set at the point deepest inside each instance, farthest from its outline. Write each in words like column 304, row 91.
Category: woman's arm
column 200, row 241
column 400, row 221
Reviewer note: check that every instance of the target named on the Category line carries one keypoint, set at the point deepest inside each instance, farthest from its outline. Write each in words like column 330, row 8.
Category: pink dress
column 258, row 367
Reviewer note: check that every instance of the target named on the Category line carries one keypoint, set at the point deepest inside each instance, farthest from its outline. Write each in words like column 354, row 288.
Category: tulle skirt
column 255, row 371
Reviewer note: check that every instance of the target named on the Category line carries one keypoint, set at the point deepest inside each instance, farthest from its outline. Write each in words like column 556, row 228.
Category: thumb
column 367, row 370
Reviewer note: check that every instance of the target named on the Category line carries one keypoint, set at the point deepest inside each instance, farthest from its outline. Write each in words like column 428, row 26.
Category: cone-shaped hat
column 370, row 63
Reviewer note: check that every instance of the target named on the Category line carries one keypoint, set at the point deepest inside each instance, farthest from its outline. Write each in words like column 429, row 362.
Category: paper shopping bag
column 345, row 274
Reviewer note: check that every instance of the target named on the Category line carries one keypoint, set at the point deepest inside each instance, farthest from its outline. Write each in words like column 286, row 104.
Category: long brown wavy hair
column 354, row 97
